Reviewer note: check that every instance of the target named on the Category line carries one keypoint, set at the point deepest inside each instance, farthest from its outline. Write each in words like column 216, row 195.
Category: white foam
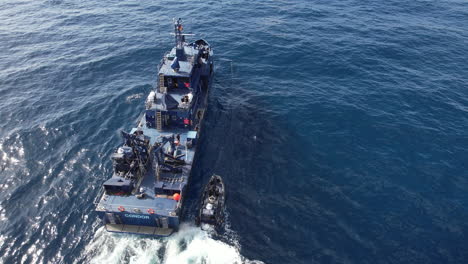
column 189, row 245
column 199, row 247
column 134, row 97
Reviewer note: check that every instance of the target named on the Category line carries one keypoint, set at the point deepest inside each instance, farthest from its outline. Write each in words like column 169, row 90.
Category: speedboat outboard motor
column 211, row 213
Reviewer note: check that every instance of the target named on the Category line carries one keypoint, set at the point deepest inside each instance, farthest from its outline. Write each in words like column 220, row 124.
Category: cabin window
column 170, row 82
column 178, row 83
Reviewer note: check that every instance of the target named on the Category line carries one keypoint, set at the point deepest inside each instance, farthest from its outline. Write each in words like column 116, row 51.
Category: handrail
column 98, row 196
column 130, row 209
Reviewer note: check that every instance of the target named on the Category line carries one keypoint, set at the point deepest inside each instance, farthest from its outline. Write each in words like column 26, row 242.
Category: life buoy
column 150, row 211
column 121, row 208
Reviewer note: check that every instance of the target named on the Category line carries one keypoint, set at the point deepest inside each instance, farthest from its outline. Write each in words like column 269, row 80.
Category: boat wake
column 189, row 245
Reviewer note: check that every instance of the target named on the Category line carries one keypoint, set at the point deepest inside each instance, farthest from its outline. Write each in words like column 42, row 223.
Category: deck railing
column 98, row 196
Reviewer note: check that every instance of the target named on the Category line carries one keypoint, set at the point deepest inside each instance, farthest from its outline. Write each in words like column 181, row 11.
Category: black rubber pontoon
column 211, row 214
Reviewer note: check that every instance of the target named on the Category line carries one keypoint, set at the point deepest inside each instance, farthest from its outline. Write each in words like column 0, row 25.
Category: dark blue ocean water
column 340, row 128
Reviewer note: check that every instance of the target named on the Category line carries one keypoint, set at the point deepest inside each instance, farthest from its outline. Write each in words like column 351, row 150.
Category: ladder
column 158, row 120
column 162, row 89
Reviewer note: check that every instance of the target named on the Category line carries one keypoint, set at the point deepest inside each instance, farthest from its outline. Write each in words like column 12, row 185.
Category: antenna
column 180, row 39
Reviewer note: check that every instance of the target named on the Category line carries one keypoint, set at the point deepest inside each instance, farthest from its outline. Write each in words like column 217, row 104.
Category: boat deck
column 161, row 205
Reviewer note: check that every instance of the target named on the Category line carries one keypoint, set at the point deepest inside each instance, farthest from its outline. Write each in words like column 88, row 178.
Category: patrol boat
column 152, row 168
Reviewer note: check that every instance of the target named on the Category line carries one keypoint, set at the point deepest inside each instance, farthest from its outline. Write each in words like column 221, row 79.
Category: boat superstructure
column 152, row 168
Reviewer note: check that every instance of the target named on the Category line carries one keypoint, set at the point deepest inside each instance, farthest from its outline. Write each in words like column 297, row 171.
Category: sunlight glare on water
column 339, row 128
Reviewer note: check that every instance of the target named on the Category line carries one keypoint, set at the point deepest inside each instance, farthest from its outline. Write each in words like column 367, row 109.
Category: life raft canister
column 121, row 208
column 150, row 211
